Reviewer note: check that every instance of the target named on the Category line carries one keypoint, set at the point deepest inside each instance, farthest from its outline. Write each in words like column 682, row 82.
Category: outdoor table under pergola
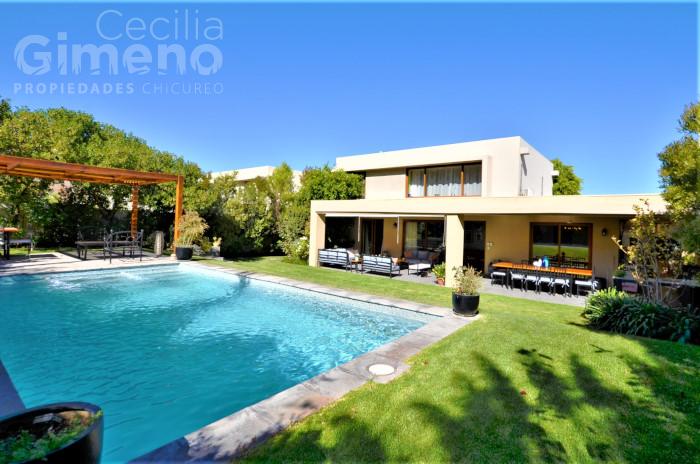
column 55, row 170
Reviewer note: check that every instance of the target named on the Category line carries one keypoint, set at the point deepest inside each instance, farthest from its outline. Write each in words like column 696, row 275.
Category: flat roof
column 589, row 205
column 438, row 154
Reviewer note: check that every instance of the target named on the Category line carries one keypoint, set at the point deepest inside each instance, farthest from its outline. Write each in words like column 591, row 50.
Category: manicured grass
column 527, row 382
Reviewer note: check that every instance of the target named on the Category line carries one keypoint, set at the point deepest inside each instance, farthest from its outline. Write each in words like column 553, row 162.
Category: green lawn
column 527, row 382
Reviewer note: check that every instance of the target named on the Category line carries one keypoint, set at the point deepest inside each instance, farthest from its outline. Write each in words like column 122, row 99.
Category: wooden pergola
column 55, row 170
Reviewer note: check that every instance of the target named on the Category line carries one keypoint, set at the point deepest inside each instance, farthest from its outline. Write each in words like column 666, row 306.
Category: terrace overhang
column 59, row 171
column 588, row 205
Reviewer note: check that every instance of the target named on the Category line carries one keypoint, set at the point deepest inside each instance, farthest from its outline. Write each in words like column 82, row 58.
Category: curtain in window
column 472, row 179
column 415, row 183
column 443, row 181
column 411, row 239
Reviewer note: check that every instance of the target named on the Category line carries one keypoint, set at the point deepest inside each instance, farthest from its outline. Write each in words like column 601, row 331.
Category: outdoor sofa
column 335, row 257
column 380, row 265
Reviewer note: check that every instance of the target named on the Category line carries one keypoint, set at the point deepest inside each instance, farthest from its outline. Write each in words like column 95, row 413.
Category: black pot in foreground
column 84, row 449
column 465, row 305
column 183, row 253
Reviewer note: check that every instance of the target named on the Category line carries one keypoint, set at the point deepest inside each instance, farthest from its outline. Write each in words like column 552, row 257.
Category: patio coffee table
column 419, row 269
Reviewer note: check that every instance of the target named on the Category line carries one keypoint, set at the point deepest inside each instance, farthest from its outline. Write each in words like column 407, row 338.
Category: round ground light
column 381, row 369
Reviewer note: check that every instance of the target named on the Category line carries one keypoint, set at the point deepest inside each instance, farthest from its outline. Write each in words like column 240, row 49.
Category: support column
column 454, row 246
column 317, row 236
column 179, row 189
column 134, row 210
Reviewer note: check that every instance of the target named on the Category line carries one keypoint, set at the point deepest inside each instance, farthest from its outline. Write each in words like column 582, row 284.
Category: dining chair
column 498, row 276
column 517, row 273
column 546, row 278
column 563, row 281
column 531, row 277
column 589, row 285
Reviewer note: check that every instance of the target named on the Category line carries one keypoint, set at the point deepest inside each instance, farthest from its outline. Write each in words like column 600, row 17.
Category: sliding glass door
column 423, row 235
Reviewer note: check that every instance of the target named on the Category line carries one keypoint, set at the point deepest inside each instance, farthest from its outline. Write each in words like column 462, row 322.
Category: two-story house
column 472, row 203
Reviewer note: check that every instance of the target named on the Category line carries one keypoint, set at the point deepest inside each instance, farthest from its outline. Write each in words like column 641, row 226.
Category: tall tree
column 280, row 188
column 567, row 182
column 316, row 184
column 680, row 179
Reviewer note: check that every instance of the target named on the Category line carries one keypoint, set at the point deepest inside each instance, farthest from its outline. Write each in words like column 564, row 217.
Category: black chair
column 562, row 280
column 517, row 273
column 131, row 245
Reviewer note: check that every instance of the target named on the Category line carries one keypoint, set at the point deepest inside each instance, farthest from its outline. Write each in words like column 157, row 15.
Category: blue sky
column 598, row 85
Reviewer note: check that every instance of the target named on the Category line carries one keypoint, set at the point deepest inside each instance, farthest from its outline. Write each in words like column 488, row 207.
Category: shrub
column 296, row 250
column 467, row 280
column 439, row 271
column 619, row 312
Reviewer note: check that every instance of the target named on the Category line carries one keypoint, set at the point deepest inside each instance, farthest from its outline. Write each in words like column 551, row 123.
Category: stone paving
column 42, row 263
column 232, row 436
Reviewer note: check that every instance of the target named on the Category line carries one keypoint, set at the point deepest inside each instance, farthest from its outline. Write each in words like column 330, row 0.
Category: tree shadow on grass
column 352, row 441
column 496, row 417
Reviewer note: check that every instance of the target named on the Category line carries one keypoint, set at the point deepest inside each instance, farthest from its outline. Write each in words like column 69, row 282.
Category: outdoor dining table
column 6, row 232
column 575, row 272
column 571, row 272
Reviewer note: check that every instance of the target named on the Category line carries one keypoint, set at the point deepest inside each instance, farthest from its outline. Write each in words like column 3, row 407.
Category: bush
column 296, row 250
column 619, row 312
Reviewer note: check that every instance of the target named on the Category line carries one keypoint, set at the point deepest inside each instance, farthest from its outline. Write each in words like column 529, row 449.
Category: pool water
column 165, row 350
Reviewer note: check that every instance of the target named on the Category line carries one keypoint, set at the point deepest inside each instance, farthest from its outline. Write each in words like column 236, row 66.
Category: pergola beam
column 56, row 170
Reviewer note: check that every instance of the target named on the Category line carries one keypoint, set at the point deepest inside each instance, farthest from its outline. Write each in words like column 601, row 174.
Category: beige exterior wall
column 507, row 222
column 317, row 236
column 385, row 184
column 502, row 173
column 392, row 241
column 454, row 246
column 537, row 172
column 508, row 238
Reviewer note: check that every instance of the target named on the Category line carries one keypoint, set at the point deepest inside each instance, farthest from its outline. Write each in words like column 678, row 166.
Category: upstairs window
column 444, row 181
column 416, row 182
column 472, row 180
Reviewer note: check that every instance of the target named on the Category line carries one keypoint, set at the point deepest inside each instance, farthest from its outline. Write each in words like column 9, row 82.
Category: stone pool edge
column 232, row 436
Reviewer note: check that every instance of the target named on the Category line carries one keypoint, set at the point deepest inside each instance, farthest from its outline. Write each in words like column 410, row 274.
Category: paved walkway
column 488, row 288
column 41, row 263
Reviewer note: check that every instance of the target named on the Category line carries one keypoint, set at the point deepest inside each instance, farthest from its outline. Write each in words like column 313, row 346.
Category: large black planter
column 183, row 253
column 85, row 449
column 465, row 305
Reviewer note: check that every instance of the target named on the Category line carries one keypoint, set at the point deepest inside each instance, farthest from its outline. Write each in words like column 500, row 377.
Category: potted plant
column 465, row 295
column 191, row 230
column 55, row 433
column 439, row 272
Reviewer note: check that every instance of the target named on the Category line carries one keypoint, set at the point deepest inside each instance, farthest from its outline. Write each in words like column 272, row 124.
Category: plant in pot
column 465, row 295
column 191, row 230
column 54, row 433
column 439, row 272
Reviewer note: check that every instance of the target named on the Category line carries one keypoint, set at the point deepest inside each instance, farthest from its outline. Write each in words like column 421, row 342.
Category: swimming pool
column 166, row 350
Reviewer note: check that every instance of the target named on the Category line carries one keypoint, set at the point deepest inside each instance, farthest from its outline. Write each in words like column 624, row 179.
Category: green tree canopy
column 63, row 135
column 567, row 182
column 680, row 179
column 328, row 184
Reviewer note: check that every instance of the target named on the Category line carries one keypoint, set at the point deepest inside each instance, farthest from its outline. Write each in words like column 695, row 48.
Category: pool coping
column 233, row 436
